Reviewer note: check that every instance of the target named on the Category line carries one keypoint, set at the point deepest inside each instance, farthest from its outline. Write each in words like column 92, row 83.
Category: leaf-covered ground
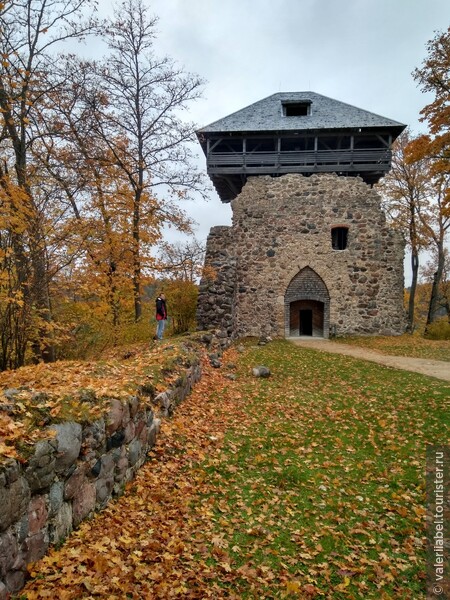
column 40, row 395
column 308, row 484
column 415, row 346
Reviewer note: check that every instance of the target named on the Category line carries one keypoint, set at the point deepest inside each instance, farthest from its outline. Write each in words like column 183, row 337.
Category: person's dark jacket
column 161, row 309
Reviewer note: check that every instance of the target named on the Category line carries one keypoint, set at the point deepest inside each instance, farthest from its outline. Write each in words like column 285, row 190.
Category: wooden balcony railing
column 307, row 161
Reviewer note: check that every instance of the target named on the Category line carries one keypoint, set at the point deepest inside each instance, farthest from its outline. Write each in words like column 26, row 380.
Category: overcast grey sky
column 358, row 51
column 361, row 52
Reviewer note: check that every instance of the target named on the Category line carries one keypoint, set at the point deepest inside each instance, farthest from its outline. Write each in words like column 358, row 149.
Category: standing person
column 161, row 315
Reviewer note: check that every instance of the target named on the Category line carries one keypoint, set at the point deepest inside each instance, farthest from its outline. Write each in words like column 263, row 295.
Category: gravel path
column 434, row 368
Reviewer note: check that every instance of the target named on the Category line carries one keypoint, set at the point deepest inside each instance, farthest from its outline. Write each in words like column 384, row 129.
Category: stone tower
column 309, row 251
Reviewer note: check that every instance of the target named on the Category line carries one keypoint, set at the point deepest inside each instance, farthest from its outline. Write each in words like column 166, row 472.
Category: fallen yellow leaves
column 240, row 500
column 80, row 391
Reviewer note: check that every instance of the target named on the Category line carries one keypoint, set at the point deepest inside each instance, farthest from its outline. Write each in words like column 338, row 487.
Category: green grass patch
column 319, row 488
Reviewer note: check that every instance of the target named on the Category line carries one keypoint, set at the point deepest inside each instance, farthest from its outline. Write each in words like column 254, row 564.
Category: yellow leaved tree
column 434, row 147
column 30, row 31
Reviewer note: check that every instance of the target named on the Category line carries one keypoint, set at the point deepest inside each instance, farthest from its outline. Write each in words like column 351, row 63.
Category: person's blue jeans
column 160, row 328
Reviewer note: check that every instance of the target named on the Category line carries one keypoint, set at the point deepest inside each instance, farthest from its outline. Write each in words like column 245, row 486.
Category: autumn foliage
column 417, row 190
column 434, row 77
column 307, row 484
column 95, row 160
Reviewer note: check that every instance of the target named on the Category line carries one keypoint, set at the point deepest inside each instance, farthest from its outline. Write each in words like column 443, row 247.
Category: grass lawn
column 324, row 478
column 308, row 484
column 415, row 346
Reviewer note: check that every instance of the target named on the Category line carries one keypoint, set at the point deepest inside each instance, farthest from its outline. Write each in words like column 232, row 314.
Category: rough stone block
column 8, row 552
column 94, row 438
column 261, row 371
column 75, row 482
column 37, row 514
column 61, row 524
column 36, row 546
column 13, row 502
column 15, row 580
column 3, row 592
column 56, row 496
column 40, row 471
column 115, row 416
column 134, row 452
column 152, row 433
column 68, row 436
column 83, row 502
column 129, row 432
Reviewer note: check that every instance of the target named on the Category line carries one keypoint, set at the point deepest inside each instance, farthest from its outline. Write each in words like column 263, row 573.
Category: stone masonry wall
column 283, row 225
column 217, row 289
column 73, row 474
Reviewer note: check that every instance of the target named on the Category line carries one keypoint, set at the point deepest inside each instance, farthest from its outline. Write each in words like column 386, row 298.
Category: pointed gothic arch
column 307, row 305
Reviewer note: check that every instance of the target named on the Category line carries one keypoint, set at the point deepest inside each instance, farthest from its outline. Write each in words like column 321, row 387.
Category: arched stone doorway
column 307, row 306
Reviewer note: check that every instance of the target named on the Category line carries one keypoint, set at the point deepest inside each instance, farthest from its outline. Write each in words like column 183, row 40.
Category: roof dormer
column 291, row 108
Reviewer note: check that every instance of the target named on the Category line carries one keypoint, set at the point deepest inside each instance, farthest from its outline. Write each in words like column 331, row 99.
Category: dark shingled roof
column 326, row 113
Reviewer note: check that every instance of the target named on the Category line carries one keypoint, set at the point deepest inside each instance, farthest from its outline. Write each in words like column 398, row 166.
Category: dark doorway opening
column 307, row 306
column 306, row 317
column 306, row 322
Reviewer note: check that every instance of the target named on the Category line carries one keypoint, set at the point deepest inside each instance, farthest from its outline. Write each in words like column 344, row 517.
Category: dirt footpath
column 434, row 368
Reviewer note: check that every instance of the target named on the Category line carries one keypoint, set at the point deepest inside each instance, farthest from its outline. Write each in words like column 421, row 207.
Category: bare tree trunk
column 44, row 345
column 39, row 294
column 137, row 258
column 112, row 294
column 434, row 298
column 414, row 263
column 412, row 292
column 433, row 302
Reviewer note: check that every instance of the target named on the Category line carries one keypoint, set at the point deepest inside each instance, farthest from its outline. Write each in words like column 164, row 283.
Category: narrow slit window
column 339, row 237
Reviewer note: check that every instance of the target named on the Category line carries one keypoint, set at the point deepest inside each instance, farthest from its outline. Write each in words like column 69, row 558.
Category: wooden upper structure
column 296, row 132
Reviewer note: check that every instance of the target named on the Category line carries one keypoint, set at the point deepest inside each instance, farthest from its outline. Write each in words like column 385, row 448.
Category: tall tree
column 428, row 275
column 30, row 30
column 141, row 122
column 434, row 77
column 91, row 188
column 406, row 192
column 14, row 312
column 437, row 225
column 96, row 188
